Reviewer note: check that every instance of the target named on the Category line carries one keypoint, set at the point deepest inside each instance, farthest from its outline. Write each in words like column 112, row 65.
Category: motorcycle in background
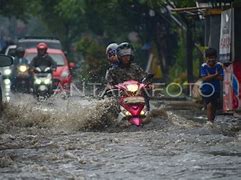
column 42, row 82
column 22, row 79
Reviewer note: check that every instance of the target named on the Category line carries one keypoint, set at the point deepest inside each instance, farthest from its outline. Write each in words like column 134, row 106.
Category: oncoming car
column 62, row 77
column 7, row 71
column 10, row 51
column 5, row 61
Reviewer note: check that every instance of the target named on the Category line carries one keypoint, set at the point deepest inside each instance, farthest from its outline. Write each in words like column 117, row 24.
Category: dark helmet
column 111, row 49
column 42, row 48
column 20, row 51
column 211, row 52
column 124, row 49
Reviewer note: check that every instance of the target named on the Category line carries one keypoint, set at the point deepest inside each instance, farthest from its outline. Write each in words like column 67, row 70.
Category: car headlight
column 7, row 81
column 132, row 87
column 7, row 72
column 37, row 81
column 47, row 81
column 65, row 74
column 7, row 87
column 8, row 98
column 22, row 68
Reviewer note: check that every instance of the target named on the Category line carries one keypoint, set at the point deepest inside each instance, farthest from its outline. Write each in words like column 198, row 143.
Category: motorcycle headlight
column 143, row 112
column 7, row 72
column 38, row 69
column 47, row 69
column 65, row 74
column 47, row 81
column 37, row 81
column 127, row 113
column 22, row 68
column 132, row 87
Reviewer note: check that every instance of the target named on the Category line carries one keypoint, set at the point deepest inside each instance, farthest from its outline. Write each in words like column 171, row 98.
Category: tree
column 16, row 8
column 108, row 21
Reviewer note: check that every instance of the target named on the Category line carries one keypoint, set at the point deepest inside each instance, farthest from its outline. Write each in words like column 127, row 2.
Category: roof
column 39, row 40
column 31, row 43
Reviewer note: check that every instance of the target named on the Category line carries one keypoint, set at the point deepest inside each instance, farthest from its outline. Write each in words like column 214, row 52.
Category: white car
column 6, row 71
column 5, row 61
column 10, row 51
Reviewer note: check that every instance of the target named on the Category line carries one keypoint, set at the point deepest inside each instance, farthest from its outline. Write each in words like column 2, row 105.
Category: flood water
column 77, row 138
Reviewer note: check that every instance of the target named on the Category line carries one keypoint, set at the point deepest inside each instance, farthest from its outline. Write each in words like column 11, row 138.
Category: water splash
column 59, row 114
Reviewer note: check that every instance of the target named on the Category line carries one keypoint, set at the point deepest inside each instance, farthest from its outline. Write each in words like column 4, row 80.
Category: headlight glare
column 37, row 81
column 47, row 81
column 7, row 81
column 132, row 87
column 22, row 68
column 142, row 112
column 7, row 72
column 127, row 113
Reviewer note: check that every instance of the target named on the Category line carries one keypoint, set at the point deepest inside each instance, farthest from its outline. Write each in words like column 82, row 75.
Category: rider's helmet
column 42, row 48
column 111, row 50
column 125, row 49
column 20, row 51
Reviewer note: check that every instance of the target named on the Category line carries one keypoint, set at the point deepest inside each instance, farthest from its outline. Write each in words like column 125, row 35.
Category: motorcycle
column 42, row 82
column 131, row 99
column 22, row 79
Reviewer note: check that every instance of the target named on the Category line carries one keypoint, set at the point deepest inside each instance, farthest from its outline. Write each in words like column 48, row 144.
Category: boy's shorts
column 211, row 99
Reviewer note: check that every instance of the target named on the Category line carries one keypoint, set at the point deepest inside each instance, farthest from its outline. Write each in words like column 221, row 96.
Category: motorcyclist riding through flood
column 42, row 66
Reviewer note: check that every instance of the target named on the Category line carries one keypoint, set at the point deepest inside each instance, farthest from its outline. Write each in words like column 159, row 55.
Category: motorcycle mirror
column 150, row 75
column 66, row 53
column 72, row 65
column 5, row 60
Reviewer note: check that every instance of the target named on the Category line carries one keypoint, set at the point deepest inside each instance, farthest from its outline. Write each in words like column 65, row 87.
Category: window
column 58, row 58
column 33, row 43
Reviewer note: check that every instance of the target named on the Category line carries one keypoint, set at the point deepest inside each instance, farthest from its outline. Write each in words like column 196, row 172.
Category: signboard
column 231, row 87
column 227, row 88
column 225, row 36
column 236, row 83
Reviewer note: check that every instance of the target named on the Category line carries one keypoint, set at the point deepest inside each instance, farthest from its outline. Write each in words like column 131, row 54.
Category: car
column 62, row 77
column 32, row 41
column 4, row 62
column 6, row 71
column 10, row 51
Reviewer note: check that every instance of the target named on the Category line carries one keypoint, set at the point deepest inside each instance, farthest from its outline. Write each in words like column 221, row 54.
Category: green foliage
column 178, row 70
column 92, row 24
column 94, row 64
column 21, row 9
column 70, row 9
column 197, row 61
column 185, row 3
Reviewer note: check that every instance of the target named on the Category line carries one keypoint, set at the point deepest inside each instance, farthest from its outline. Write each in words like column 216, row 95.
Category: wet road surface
column 62, row 139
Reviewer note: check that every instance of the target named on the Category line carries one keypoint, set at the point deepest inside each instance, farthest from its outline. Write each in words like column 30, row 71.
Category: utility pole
column 189, row 50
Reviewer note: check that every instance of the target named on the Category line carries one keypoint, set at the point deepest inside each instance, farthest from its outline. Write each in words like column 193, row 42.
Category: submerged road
column 62, row 139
